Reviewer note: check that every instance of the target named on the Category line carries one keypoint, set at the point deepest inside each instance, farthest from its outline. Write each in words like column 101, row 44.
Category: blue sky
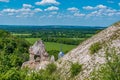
column 59, row 12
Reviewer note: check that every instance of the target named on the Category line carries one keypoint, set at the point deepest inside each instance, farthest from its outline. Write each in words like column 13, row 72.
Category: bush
column 110, row 70
column 54, row 53
column 51, row 68
column 75, row 69
column 95, row 47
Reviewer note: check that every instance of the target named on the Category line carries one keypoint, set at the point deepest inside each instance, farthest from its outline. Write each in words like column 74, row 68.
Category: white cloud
column 21, row 11
column 100, row 6
column 73, row 9
column 79, row 14
column 27, row 6
column 24, row 10
column 47, row 2
column 9, row 10
column 119, row 4
column 76, row 12
column 38, row 10
column 104, row 12
column 111, row 10
column 94, row 13
column 52, row 8
column 4, row 0
column 88, row 7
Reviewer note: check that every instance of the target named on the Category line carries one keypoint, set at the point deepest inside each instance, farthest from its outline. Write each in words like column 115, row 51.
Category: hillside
column 13, row 52
column 107, row 40
column 96, row 58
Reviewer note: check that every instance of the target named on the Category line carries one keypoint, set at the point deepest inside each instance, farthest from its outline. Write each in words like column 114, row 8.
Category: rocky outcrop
column 110, row 38
column 37, row 52
column 38, row 57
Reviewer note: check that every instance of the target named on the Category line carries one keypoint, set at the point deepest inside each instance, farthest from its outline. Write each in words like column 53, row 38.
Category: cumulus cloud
column 25, row 11
column 4, row 0
column 27, row 6
column 21, row 11
column 38, row 10
column 79, row 14
column 76, row 12
column 100, row 6
column 73, row 9
column 47, row 2
column 88, row 7
column 104, row 12
column 52, row 8
column 9, row 10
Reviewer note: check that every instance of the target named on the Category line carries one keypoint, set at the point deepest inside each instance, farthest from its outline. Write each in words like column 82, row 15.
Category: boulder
column 38, row 56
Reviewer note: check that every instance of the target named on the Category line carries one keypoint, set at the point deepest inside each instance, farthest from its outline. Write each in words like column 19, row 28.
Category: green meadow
column 52, row 45
column 18, row 34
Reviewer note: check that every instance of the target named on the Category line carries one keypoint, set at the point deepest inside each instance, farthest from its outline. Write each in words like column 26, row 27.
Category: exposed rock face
column 52, row 59
column 38, row 49
column 38, row 57
column 110, row 38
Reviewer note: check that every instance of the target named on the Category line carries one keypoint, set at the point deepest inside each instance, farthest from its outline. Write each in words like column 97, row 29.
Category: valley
column 84, row 49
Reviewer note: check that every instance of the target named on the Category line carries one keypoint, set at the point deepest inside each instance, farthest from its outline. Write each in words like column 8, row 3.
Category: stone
column 52, row 59
column 38, row 49
column 37, row 57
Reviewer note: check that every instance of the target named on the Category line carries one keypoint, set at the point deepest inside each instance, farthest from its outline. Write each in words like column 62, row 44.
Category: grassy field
column 56, row 46
column 16, row 34
column 52, row 46
column 32, row 40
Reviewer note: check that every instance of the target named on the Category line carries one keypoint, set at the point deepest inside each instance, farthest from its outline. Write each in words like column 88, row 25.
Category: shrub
column 51, row 68
column 110, row 70
column 95, row 47
column 75, row 69
column 54, row 53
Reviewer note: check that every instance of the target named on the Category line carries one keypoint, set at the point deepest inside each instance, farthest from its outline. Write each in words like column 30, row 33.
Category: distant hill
column 92, row 54
column 8, row 27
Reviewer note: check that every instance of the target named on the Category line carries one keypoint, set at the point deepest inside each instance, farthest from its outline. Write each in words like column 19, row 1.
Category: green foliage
column 11, row 74
column 38, row 32
column 54, row 53
column 32, row 40
column 75, row 69
column 51, row 68
column 110, row 70
column 56, row 46
column 13, row 52
column 94, row 48
column 42, row 75
column 68, row 41
column 4, row 34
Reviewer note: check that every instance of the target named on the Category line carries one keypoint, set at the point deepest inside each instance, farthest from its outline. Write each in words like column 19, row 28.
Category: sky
column 59, row 12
